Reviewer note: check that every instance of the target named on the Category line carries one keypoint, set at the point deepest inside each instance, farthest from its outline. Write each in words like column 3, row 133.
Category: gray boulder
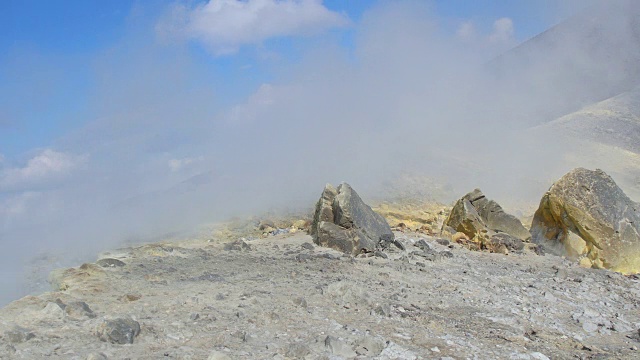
column 586, row 216
column 474, row 214
column 118, row 331
column 343, row 221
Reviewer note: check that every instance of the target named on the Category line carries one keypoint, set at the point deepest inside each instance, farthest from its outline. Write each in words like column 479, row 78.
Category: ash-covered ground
column 283, row 297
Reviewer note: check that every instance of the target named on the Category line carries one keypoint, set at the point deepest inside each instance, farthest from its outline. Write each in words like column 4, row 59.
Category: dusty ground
column 286, row 298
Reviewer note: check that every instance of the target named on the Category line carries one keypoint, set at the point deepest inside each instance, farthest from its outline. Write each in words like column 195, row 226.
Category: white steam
column 166, row 152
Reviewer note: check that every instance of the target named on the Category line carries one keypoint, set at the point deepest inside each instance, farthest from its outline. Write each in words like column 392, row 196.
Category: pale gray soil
column 285, row 298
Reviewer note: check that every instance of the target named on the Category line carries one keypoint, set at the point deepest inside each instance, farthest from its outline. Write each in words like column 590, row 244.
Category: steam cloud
column 165, row 150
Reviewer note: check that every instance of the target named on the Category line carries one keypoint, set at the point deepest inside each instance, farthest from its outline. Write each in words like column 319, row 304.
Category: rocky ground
column 282, row 297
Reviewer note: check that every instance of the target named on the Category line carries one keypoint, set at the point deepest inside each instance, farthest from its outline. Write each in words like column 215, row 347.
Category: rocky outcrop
column 343, row 221
column 475, row 215
column 586, row 216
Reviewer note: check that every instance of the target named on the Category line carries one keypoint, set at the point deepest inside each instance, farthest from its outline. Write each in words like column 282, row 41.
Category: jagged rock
column 342, row 221
column 78, row 310
column 585, row 215
column 118, row 331
column 475, row 215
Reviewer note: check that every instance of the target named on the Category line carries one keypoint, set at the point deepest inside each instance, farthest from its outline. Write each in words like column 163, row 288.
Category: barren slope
column 285, row 298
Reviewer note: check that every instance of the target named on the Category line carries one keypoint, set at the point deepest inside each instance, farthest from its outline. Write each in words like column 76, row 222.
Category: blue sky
column 47, row 50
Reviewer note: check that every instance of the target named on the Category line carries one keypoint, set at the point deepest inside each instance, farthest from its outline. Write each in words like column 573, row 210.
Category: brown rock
column 474, row 214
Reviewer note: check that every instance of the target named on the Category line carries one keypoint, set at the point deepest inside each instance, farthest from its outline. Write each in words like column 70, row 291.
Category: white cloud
column 225, row 25
column 466, row 31
column 501, row 36
column 47, row 165
column 260, row 100
column 176, row 165
column 502, row 31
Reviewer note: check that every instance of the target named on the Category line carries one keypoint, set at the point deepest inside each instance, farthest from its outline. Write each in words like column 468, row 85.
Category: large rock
column 344, row 222
column 118, row 331
column 586, row 216
column 475, row 215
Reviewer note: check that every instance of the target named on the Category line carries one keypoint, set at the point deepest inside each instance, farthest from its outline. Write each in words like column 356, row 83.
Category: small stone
column 297, row 351
column 328, row 256
column 381, row 254
column 539, row 356
column 194, row 316
column 382, row 310
column 399, row 244
column 266, row 224
column 303, row 257
column 446, row 254
column 300, row 301
column 435, row 349
column 79, row 309
column 369, row 346
column 109, row 262
column 423, row 245
column 426, row 255
column 238, row 245
column 18, row 335
column 53, row 311
column 339, row 347
column 307, row 246
column 589, row 326
column 97, row 356
column 118, row 331
column 130, row 297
